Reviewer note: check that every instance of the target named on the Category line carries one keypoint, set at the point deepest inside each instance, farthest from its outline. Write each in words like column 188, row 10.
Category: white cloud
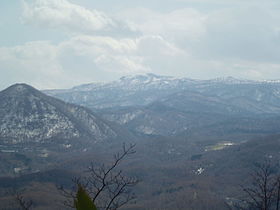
column 121, row 55
column 100, row 44
column 248, row 33
column 106, row 53
column 123, row 64
column 242, row 32
column 182, row 24
column 84, row 57
column 234, row 38
column 151, row 46
column 33, row 61
column 231, row 2
column 62, row 13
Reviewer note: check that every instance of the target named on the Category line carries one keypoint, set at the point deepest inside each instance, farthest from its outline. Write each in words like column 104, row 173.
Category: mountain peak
column 18, row 89
column 20, row 86
column 26, row 114
column 144, row 78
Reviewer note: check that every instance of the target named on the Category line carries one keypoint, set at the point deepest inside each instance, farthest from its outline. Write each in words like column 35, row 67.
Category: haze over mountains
column 68, row 104
column 145, row 89
column 148, row 103
column 194, row 137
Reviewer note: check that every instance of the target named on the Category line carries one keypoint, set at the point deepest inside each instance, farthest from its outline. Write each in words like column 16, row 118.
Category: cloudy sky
column 62, row 43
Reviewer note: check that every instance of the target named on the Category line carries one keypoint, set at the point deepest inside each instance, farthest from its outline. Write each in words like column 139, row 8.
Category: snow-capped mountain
column 232, row 80
column 163, row 105
column 141, row 90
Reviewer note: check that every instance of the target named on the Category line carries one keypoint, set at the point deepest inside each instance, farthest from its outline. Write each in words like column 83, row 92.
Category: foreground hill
column 36, row 130
column 26, row 115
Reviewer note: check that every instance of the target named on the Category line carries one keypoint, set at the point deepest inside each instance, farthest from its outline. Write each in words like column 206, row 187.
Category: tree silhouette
column 108, row 188
column 264, row 191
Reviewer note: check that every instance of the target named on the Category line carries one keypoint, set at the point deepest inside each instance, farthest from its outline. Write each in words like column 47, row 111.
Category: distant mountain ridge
column 150, row 80
column 162, row 105
column 141, row 90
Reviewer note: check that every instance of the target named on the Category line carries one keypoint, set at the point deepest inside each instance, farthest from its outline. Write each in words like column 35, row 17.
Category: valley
column 196, row 141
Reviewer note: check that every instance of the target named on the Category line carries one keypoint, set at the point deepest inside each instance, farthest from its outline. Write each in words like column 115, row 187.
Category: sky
column 63, row 43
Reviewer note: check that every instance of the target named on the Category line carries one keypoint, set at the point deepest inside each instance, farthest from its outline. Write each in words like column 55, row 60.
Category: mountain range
column 197, row 140
column 161, row 105
column 247, row 95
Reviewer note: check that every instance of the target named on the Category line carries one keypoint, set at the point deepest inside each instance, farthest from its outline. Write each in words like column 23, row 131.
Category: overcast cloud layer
column 61, row 43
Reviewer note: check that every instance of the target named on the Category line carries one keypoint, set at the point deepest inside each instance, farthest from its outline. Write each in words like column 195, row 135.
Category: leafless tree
column 107, row 186
column 264, row 192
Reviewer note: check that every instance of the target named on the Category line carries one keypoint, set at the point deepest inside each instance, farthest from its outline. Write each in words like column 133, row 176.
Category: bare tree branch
column 264, row 193
column 107, row 186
